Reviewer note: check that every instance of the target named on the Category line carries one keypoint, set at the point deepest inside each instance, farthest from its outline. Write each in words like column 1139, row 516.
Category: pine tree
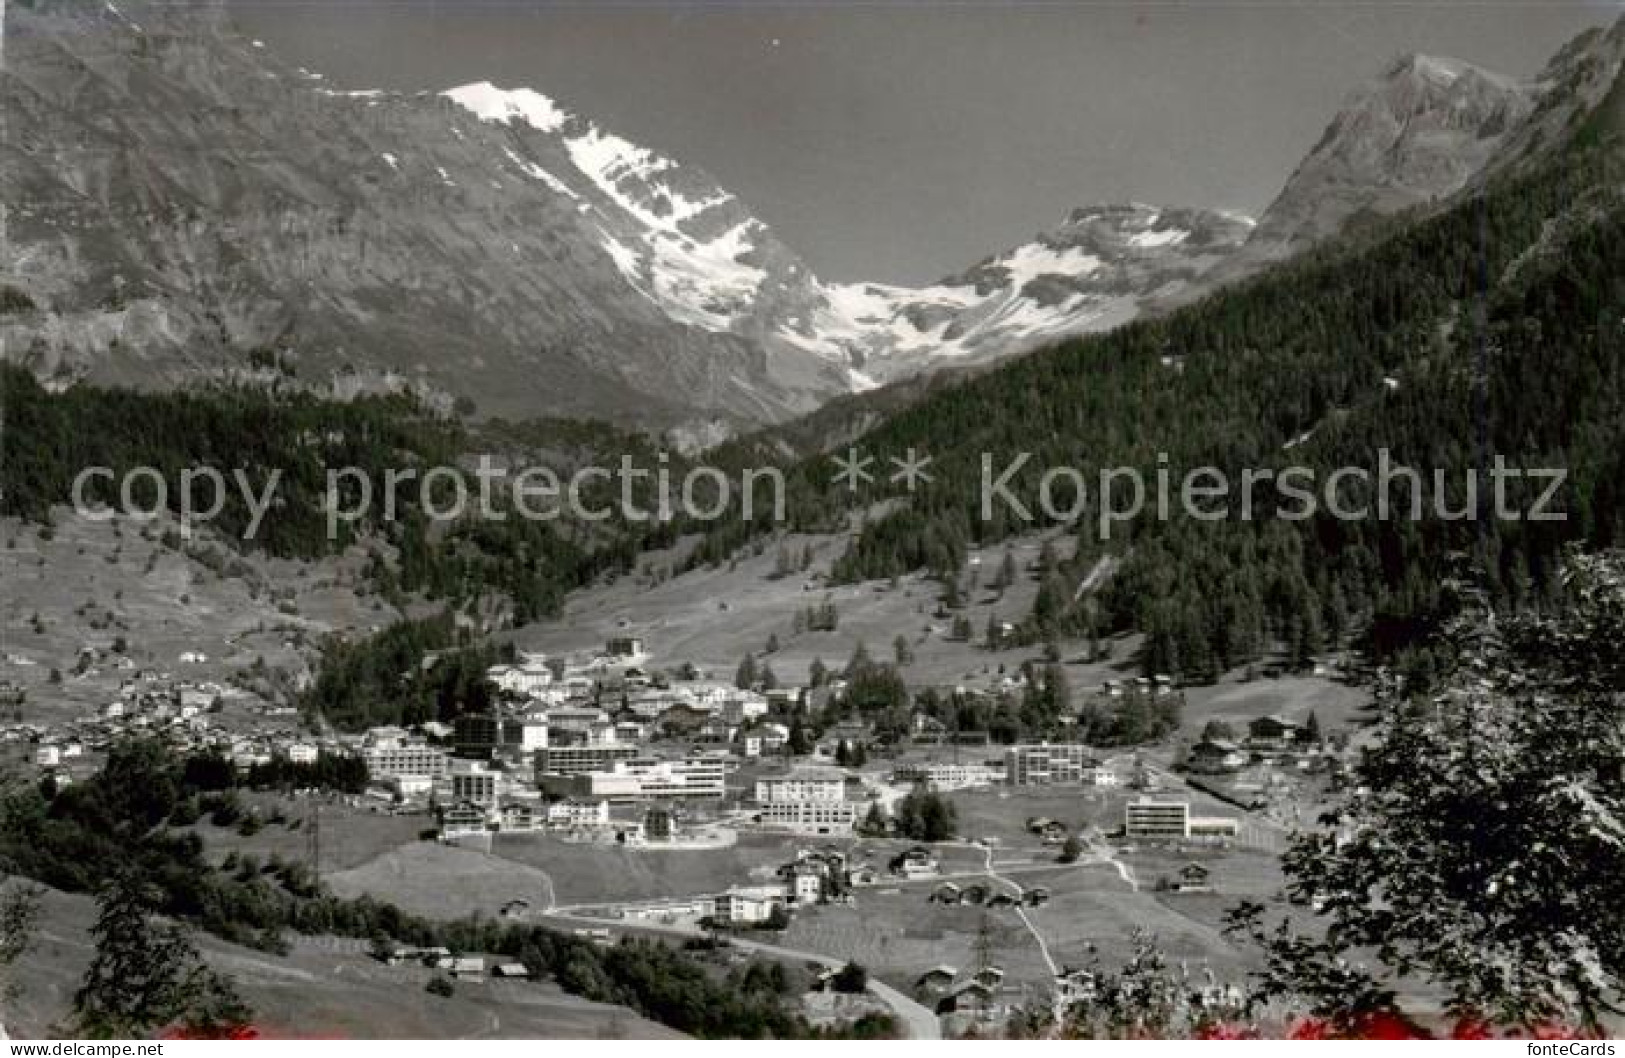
column 746, row 676
column 1008, row 572
column 796, row 745
column 1450, row 856
column 859, row 661
column 19, row 914
column 146, row 976
column 874, row 821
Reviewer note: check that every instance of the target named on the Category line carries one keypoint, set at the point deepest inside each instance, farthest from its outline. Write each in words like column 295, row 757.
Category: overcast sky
column 904, row 141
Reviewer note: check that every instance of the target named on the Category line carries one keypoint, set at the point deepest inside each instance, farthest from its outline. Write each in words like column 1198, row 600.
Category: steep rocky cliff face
column 1412, row 136
column 180, row 200
column 1427, row 129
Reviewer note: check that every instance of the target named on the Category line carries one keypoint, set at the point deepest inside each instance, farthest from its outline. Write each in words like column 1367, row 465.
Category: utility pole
column 984, row 943
column 313, row 839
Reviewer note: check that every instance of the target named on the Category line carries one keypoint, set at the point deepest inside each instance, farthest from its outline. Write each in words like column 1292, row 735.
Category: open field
column 93, row 583
column 351, row 834
column 1337, row 705
column 714, row 617
column 898, row 934
column 1001, row 812
column 444, row 881
column 1092, row 914
column 322, row 990
column 593, row 874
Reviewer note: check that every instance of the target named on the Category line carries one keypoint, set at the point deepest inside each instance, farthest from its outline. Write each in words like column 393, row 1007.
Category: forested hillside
column 292, row 448
column 1489, row 328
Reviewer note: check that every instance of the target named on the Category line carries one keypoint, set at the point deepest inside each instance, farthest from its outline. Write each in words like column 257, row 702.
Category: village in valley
column 909, row 866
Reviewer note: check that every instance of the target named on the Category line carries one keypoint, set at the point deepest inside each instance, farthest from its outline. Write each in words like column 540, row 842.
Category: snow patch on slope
column 619, row 167
column 536, row 172
column 700, row 283
column 490, row 103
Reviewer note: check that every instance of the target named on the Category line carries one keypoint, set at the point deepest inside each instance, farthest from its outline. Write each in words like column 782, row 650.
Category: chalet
column 928, row 728
column 852, row 732
column 462, row 965
column 1274, row 732
column 426, row 956
column 937, row 980
column 1195, row 878
column 917, row 862
column 782, row 698
column 572, row 812
column 518, row 817
column 464, row 817
column 682, row 719
column 1215, row 757
column 804, row 883
column 1053, row 833
column 823, row 979
column 773, row 736
column 749, row 906
column 968, row 997
column 946, row 893
column 625, row 647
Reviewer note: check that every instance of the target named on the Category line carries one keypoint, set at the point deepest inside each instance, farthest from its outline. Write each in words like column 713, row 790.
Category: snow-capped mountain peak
column 1094, row 271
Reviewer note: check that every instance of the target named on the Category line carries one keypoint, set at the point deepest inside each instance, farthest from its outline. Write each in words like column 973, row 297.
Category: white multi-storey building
column 390, row 756
column 742, row 706
column 647, row 778
column 578, row 812
column 574, row 760
column 812, row 817
column 475, row 783
column 804, row 784
column 1044, row 764
column 529, row 677
column 1157, row 820
column 749, row 904
column 527, row 734
column 302, row 753
column 949, row 776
